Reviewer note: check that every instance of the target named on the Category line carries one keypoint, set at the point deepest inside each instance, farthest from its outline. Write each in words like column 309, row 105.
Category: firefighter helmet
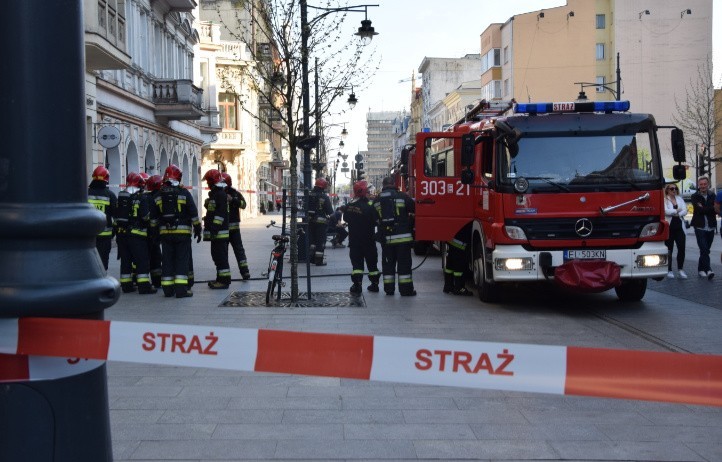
column 227, row 179
column 154, row 182
column 134, row 179
column 145, row 176
column 360, row 189
column 173, row 173
column 212, row 177
column 101, row 173
column 321, row 183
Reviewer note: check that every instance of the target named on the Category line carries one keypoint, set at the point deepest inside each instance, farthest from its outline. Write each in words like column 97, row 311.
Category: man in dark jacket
column 319, row 211
column 396, row 213
column 236, row 203
column 704, row 222
column 361, row 218
column 106, row 202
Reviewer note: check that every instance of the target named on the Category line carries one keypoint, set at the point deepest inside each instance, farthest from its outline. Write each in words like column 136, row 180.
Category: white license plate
column 585, row 254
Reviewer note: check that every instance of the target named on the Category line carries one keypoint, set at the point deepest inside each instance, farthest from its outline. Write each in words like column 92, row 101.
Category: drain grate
column 318, row 300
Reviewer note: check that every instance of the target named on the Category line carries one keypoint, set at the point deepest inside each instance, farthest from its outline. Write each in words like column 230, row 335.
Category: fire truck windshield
column 577, row 163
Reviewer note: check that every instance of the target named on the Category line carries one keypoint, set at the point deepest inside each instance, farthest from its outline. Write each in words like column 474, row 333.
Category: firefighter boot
column 243, row 266
column 127, row 287
column 217, row 285
column 146, row 288
column 182, row 292
column 356, row 288
column 448, row 282
column 460, row 287
column 374, row 287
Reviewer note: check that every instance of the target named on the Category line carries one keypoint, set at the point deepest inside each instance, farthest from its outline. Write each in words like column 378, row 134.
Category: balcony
column 177, row 100
column 228, row 139
column 105, row 46
column 184, row 6
column 210, row 121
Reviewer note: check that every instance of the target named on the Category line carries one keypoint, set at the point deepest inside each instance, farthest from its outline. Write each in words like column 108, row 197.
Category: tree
column 696, row 114
column 272, row 31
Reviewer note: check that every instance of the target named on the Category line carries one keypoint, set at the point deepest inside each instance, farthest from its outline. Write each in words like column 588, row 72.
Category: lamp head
column 366, row 31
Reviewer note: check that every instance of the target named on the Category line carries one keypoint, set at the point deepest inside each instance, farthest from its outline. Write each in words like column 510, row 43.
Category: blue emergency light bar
column 587, row 106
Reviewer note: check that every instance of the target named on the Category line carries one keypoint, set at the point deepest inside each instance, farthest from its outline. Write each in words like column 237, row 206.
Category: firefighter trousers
column 219, row 254
column 366, row 252
column 236, row 242
column 104, row 244
column 454, row 270
column 317, row 241
column 134, row 251
column 155, row 256
column 397, row 258
column 176, row 264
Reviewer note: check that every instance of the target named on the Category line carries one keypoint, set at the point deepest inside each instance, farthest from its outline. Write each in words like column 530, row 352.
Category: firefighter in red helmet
column 133, row 218
column 155, row 255
column 319, row 211
column 236, row 203
column 361, row 218
column 215, row 223
column 104, row 200
column 176, row 215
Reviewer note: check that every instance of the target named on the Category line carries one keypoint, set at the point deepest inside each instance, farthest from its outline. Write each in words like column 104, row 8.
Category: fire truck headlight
column 650, row 261
column 515, row 232
column 514, row 264
column 650, row 230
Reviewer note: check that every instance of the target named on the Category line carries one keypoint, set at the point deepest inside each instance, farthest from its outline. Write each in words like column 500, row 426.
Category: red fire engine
column 567, row 192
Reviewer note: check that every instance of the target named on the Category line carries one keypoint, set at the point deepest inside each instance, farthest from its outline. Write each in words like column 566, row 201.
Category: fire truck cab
column 568, row 192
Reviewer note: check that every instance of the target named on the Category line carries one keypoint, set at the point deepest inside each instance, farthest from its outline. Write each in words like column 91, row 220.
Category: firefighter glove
column 197, row 232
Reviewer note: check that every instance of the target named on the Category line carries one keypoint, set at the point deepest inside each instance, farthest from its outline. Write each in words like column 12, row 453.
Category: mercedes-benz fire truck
column 568, row 192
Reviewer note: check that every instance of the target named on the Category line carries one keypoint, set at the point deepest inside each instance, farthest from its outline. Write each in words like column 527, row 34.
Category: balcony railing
column 177, row 100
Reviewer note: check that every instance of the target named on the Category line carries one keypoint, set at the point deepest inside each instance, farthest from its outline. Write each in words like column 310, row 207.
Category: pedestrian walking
column 396, row 211
column 704, row 223
column 215, row 223
column 236, row 203
column 319, row 211
column 675, row 210
column 176, row 215
column 134, row 213
column 361, row 218
column 105, row 201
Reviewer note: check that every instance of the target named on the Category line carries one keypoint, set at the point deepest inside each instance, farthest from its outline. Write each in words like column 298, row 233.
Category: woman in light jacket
column 675, row 209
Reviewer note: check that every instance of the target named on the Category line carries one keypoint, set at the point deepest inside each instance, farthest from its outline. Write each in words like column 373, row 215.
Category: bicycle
column 275, row 264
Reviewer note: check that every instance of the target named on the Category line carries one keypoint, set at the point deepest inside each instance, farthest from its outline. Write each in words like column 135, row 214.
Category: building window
column 600, row 51
column 601, row 80
column 491, row 59
column 506, row 87
column 506, row 54
column 601, row 21
column 227, row 111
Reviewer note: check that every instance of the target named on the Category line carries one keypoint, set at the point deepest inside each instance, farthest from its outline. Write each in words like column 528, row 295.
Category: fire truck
column 569, row 192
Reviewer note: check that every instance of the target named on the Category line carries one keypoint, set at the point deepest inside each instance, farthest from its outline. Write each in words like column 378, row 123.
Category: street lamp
column 365, row 32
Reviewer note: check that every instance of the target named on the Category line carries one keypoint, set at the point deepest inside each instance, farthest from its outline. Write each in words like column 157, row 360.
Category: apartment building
column 380, row 138
column 544, row 55
column 139, row 64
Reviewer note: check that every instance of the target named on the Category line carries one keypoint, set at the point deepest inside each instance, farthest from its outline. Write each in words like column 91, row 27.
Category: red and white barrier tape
column 26, row 344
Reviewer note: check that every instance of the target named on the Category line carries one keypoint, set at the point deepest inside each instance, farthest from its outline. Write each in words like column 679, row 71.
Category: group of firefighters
column 154, row 217
column 153, row 220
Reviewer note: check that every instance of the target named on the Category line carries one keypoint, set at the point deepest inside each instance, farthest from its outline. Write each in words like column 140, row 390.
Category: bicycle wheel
column 269, row 292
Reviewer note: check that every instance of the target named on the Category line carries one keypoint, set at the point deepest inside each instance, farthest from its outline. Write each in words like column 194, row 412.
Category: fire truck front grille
column 582, row 227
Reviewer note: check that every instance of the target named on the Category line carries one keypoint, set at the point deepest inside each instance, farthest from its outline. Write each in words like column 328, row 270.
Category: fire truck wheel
column 631, row 290
column 488, row 291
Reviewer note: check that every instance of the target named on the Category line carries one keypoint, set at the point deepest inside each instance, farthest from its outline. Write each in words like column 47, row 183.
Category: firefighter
column 215, row 223
column 456, row 261
column 319, row 211
column 155, row 255
column 396, row 212
column 134, row 212
column 361, row 218
column 105, row 201
column 176, row 215
column 236, row 203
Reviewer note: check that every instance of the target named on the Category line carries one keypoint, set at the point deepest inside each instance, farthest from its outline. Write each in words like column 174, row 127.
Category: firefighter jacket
column 175, row 211
column 104, row 200
column 216, row 220
column 133, row 214
column 361, row 218
column 395, row 211
column 236, row 203
column 319, row 206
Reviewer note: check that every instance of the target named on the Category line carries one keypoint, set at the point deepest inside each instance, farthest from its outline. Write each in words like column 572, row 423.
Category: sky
column 410, row 31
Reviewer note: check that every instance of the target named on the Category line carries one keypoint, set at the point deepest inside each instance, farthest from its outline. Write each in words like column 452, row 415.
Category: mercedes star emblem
column 583, row 227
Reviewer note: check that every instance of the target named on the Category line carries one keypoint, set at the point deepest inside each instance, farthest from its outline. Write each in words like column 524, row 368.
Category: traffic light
column 703, row 166
column 360, row 175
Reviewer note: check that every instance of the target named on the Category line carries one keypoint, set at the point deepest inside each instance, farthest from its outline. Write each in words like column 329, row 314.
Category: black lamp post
column 366, row 32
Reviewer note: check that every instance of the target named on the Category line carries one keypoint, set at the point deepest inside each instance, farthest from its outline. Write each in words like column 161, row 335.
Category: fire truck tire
column 488, row 291
column 631, row 290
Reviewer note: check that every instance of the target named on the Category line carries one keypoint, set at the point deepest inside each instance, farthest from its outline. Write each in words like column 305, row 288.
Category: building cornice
column 115, row 113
